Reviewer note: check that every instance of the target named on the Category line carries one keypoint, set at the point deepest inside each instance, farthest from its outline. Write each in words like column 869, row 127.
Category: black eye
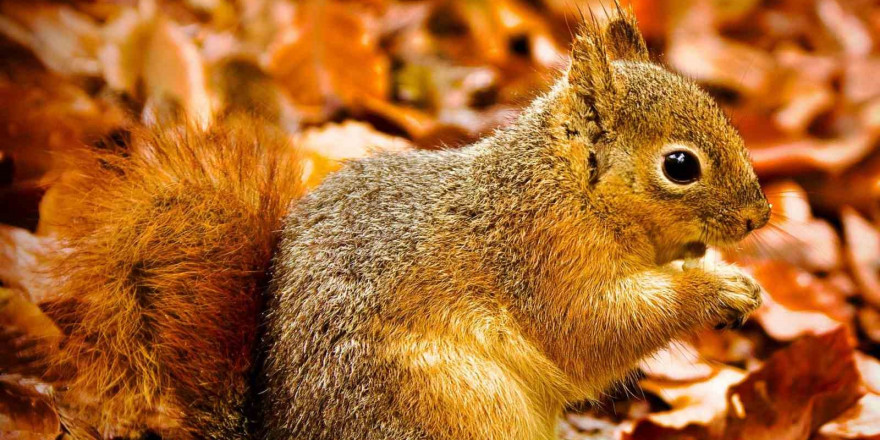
column 681, row 167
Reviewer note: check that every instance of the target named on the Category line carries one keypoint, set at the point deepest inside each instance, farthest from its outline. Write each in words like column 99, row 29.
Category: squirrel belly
column 160, row 288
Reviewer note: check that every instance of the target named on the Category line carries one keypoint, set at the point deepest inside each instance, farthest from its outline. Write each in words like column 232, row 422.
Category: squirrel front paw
column 738, row 294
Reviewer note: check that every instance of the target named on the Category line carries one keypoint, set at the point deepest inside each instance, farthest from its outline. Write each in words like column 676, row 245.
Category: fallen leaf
column 694, row 403
column 802, row 155
column 798, row 290
column 861, row 422
column 784, row 324
column 863, row 253
column 25, row 410
column 21, row 257
column 869, row 369
column 65, row 40
column 329, row 56
column 797, row 390
column 696, row 49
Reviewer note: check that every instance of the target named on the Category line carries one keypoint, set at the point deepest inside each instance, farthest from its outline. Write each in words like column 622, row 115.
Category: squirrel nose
column 758, row 216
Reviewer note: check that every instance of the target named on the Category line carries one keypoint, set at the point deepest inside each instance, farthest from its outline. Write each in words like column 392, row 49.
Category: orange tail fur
column 159, row 289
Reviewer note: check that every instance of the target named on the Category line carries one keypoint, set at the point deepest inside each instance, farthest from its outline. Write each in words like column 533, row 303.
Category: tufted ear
column 591, row 76
column 623, row 39
column 594, row 49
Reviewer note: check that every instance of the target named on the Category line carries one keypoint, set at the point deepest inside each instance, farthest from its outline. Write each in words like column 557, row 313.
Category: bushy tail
column 159, row 287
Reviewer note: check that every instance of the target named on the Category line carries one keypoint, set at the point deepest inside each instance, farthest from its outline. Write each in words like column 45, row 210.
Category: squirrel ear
column 594, row 48
column 623, row 39
column 590, row 74
column 591, row 77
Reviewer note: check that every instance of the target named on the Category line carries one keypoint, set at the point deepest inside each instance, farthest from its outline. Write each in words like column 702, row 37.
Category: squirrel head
column 651, row 148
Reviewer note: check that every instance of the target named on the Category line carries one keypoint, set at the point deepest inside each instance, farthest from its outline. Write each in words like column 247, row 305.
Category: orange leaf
column 329, row 56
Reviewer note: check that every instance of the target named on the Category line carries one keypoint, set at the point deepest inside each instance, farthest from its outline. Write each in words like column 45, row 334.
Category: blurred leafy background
column 799, row 78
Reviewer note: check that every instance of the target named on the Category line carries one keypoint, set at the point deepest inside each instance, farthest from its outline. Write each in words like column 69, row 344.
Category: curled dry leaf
column 173, row 69
column 797, row 390
column 143, row 45
column 496, row 26
column 862, row 420
column 798, row 156
column 805, row 90
column 693, row 403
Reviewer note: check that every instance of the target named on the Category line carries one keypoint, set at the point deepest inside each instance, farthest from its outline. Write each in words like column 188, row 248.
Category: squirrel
column 465, row 293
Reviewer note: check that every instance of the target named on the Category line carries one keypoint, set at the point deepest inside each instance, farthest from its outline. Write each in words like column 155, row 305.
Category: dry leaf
column 21, row 257
column 28, row 337
column 698, row 403
column 784, row 324
column 329, row 56
column 797, row 390
column 65, row 40
column 797, row 289
column 863, row 253
column 798, row 156
column 26, row 412
column 861, row 422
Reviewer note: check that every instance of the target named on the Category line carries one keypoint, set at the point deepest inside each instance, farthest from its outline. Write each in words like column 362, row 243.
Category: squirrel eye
column 681, row 167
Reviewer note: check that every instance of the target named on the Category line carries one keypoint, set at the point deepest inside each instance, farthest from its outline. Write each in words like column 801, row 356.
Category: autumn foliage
column 799, row 78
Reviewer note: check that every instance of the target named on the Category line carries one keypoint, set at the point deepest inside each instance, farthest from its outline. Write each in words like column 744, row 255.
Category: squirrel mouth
column 694, row 249
column 691, row 250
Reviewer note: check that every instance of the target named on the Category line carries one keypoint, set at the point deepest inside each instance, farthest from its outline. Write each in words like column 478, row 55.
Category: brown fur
column 472, row 293
column 159, row 288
